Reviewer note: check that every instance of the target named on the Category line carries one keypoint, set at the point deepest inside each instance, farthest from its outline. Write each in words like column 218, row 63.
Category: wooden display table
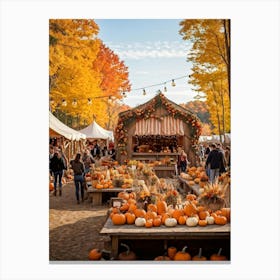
column 154, row 156
column 194, row 189
column 165, row 171
column 96, row 194
column 183, row 232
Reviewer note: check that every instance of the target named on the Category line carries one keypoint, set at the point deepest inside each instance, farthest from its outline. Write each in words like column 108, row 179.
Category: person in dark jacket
column 57, row 166
column 79, row 169
column 215, row 160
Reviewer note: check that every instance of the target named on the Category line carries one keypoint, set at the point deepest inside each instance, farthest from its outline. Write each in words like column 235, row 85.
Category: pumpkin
column 118, row 219
column 157, row 222
column 123, row 195
column 132, row 207
column 220, row 220
column 182, row 255
column 152, row 207
column 170, row 222
column 199, row 257
column 182, row 220
column 226, row 212
column 99, row 186
column 202, row 223
column 162, row 258
column 140, row 222
column 164, row 217
column 131, row 201
column 191, row 183
column 127, row 255
column 139, row 213
column 149, row 223
column 161, row 207
column 190, row 208
column 124, row 207
column 132, row 195
column 94, row 255
column 203, row 214
column 171, row 252
column 200, row 208
column 218, row 256
column 197, row 180
column 130, row 218
column 192, row 221
column 210, row 220
column 150, row 215
column 177, row 213
column 51, row 187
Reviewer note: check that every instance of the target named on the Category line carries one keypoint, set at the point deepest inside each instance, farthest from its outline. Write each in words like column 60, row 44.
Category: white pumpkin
column 210, row 220
column 140, row 222
column 170, row 222
column 192, row 221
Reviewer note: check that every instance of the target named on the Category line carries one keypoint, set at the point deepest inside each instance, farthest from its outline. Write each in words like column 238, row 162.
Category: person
column 112, row 152
column 104, row 151
column 51, row 154
column 182, row 161
column 79, row 169
column 215, row 160
column 227, row 157
column 57, row 166
column 95, row 150
column 87, row 160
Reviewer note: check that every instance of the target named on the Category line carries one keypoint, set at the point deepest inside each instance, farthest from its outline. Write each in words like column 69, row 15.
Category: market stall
column 71, row 140
column 157, row 130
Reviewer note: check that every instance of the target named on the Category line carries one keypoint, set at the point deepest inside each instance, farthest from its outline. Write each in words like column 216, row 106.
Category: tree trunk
column 226, row 23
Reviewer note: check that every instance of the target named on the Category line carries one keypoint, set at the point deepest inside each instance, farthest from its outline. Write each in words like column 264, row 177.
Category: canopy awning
column 58, row 128
column 95, row 131
column 159, row 126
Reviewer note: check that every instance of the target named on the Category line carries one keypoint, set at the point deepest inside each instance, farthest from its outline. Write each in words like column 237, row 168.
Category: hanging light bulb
column 64, row 103
column 144, row 92
column 124, row 94
column 89, row 101
column 51, row 101
column 159, row 91
column 165, row 89
column 173, row 83
column 74, row 103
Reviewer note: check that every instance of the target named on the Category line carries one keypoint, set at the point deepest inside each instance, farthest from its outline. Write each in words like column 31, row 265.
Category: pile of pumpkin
column 195, row 175
column 190, row 214
column 172, row 254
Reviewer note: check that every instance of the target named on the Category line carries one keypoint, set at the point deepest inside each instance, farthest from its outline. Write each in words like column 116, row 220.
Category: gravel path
column 74, row 228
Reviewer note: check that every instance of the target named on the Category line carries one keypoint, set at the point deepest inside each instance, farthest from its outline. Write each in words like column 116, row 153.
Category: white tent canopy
column 95, row 131
column 215, row 138
column 60, row 128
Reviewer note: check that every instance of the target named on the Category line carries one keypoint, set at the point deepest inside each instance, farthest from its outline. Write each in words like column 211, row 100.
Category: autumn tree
column 210, row 44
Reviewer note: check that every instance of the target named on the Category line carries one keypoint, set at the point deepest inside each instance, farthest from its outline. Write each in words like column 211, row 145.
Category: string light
column 64, row 103
column 173, row 83
column 165, row 89
column 89, row 101
column 144, row 92
column 74, row 103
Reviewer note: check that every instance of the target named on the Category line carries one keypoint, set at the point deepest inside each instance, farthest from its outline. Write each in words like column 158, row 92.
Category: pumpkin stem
column 220, row 251
column 184, row 249
column 127, row 248
column 200, row 252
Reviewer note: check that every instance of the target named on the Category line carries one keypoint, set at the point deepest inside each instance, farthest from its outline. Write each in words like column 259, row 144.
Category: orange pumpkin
column 132, row 195
column 199, row 257
column 130, row 218
column 124, row 207
column 157, row 222
column 161, row 207
column 220, row 220
column 202, row 223
column 150, row 215
column 127, row 255
column 191, row 197
column 149, row 223
column 152, row 207
column 118, row 219
column 182, row 220
column 226, row 212
column 139, row 213
column 164, row 217
column 94, row 255
column 123, row 195
column 99, row 186
column 51, row 187
column 218, row 256
column 182, row 255
column 203, row 214
column 132, row 207
column 190, row 208
column 171, row 252
column 177, row 213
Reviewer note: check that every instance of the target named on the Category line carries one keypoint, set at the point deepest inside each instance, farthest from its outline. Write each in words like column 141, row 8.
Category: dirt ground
column 74, row 228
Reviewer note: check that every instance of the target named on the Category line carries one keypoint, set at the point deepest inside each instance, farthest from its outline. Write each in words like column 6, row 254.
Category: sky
column 154, row 52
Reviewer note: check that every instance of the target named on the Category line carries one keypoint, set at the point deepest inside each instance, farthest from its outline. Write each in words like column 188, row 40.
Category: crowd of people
column 80, row 165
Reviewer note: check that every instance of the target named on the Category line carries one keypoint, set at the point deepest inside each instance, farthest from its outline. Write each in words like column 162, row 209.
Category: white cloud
column 157, row 49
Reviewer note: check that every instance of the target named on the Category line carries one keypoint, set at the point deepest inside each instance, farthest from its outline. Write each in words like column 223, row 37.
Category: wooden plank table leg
column 115, row 247
column 97, row 199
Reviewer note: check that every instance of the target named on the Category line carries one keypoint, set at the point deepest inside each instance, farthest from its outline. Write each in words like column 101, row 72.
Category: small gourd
column 127, row 255
column 218, row 256
column 170, row 222
column 182, row 255
column 94, row 255
column 140, row 222
column 210, row 220
column 192, row 221
column 199, row 257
